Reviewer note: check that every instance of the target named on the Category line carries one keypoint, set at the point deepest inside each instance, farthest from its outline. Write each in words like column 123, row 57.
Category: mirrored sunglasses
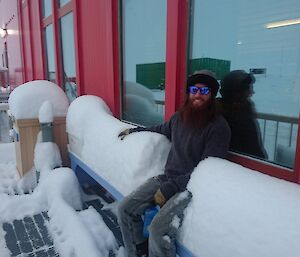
column 201, row 90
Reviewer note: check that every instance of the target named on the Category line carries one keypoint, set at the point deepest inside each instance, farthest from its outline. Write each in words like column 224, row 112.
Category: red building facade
column 91, row 55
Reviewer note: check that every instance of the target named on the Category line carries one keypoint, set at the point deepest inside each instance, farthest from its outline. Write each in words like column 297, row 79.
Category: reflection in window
column 261, row 98
column 47, row 8
column 144, row 50
column 49, row 47
column 68, row 56
column 63, row 2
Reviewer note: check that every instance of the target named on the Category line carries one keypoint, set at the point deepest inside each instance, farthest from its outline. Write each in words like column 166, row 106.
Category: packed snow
column 234, row 211
column 125, row 164
column 46, row 112
column 26, row 100
column 75, row 231
column 239, row 212
column 46, row 155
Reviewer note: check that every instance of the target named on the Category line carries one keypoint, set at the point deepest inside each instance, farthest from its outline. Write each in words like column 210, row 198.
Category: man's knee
column 158, row 227
column 123, row 208
column 161, row 238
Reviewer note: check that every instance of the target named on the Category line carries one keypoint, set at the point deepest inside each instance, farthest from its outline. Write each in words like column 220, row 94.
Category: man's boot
column 142, row 249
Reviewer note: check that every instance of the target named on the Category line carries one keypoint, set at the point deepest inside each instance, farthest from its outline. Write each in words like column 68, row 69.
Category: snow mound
column 127, row 163
column 46, row 156
column 238, row 212
column 46, row 112
column 26, row 100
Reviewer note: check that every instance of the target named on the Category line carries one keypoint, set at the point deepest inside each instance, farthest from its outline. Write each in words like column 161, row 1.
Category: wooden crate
column 28, row 130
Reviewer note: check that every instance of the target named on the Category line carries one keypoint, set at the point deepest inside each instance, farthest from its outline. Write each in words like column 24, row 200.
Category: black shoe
column 142, row 249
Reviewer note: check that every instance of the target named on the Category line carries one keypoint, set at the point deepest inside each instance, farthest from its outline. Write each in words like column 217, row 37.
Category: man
column 239, row 111
column 196, row 132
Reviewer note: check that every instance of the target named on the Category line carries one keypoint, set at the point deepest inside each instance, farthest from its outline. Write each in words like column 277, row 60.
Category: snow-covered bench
column 118, row 166
column 234, row 212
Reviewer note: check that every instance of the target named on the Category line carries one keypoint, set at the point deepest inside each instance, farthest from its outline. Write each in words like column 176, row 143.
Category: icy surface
column 26, row 100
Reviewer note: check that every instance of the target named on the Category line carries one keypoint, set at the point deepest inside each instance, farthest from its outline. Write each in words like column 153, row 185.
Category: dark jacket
column 245, row 133
column 189, row 146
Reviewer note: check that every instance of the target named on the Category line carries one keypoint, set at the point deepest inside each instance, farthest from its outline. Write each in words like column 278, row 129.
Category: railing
column 275, row 129
column 4, row 97
column 160, row 106
column 288, row 131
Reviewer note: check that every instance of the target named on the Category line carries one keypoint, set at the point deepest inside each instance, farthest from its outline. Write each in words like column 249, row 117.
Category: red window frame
column 57, row 13
column 176, row 65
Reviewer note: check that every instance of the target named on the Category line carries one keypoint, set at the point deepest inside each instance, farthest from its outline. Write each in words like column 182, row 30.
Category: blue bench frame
column 89, row 177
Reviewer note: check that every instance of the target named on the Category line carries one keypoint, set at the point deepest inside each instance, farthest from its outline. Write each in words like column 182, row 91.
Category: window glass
column 63, row 2
column 47, row 8
column 258, row 42
column 144, row 51
column 49, row 47
column 68, row 56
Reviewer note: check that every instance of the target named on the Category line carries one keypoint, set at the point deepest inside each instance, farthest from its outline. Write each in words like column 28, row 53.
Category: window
column 144, row 51
column 49, row 48
column 63, row 2
column 68, row 56
column 60, row 53
column 47, row 8
column 261, row 99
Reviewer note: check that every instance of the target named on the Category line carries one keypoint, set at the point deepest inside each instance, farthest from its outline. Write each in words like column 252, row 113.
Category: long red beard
column 196, row 117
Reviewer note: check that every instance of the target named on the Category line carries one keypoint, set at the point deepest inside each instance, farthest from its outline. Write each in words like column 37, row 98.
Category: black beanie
column 203, row 78
column 235, row 82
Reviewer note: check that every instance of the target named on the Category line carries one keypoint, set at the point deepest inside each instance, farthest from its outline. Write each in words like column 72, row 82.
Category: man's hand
column 159, row 198
column 124, row 133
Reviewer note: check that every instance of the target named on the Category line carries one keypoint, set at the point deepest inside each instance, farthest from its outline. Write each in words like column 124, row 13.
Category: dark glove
column 159, row 198
column 124, row 133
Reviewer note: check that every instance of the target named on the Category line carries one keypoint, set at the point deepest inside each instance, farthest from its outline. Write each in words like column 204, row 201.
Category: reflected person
column 239, row 111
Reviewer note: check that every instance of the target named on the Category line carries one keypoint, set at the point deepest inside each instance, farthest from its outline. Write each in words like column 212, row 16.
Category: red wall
column 97, row 50
column 9, row 16
column 36, row 40
column 27, row 52
column 31, row 40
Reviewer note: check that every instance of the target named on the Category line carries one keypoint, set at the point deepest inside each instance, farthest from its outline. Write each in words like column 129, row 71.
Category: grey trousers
column 163, row 229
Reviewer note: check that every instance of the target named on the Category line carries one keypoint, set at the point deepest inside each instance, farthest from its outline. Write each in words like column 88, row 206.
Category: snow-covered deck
column 234, row 212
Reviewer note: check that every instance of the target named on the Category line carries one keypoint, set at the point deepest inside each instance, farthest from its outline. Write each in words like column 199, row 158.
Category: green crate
column 152, row 75
column 220, row 67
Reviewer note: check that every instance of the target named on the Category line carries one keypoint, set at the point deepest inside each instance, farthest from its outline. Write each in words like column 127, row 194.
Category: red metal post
column 77, row 38
column 297, row 158
column 29, row 3
column 176, row 54
column 56, row 36
column 20, row 14
column 41, row 35
column 116, row 58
